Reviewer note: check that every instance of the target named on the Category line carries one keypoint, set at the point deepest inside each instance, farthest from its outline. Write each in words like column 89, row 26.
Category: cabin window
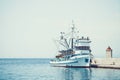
column 86, row 60
column 82, row 47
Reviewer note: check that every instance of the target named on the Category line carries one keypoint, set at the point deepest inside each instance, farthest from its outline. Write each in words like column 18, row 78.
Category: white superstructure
column 75, row 52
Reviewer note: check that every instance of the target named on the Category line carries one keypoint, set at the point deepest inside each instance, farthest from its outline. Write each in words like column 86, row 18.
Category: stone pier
column 106, row 63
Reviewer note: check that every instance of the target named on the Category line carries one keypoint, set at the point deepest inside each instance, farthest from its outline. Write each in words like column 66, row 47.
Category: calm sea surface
column 40, row 69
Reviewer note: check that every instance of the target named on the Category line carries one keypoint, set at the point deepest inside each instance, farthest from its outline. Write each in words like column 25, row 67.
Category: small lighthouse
column 108, row 52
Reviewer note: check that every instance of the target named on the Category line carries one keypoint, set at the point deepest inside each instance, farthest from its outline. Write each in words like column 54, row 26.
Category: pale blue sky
column 28, row 27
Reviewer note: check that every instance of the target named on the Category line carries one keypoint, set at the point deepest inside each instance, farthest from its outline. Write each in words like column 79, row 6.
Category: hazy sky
column 28, row 27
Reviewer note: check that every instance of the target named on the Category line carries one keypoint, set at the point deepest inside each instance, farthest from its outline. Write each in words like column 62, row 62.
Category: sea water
column 40, row 69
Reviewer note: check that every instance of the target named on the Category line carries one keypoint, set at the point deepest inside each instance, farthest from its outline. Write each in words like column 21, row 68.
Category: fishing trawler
column 73, row 51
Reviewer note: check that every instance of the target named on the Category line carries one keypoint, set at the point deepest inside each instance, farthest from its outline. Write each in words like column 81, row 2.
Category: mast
column 72, row 37
column 63, row 39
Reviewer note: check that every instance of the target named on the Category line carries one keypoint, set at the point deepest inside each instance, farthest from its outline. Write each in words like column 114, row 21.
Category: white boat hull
column 77, row 61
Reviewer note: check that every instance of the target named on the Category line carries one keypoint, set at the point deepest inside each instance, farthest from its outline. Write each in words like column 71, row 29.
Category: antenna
column 73, row 23
column 73, row 26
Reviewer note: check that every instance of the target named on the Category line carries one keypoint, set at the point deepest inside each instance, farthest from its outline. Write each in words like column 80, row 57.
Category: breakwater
column 106, row 63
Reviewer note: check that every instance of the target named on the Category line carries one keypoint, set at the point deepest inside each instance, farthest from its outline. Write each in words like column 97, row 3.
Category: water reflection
column 76, row 74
